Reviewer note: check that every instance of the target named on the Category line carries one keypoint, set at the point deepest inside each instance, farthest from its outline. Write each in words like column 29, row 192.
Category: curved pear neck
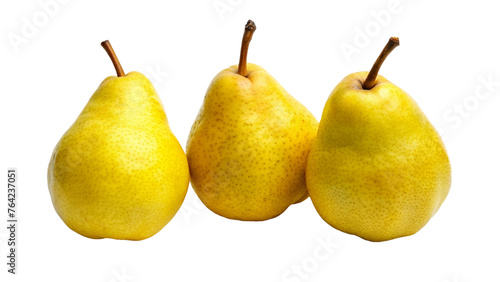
column 250, row 28
column 114, row 59
column 372, row 76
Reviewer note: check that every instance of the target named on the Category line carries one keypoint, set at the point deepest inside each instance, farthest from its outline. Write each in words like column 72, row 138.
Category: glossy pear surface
column 119, row 172
column 378, row 168
column 247, row 150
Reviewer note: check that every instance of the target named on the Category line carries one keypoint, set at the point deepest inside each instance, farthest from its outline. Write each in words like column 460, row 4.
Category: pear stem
column 111, row 53
column 250, row 27
column 372, row 76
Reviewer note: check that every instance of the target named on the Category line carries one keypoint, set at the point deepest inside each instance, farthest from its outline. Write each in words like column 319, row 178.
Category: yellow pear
column 247, row 150
column 377, row 169
column 119, row 172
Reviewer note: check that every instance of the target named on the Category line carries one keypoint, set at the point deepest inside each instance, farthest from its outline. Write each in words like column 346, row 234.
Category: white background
column 447, row 49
